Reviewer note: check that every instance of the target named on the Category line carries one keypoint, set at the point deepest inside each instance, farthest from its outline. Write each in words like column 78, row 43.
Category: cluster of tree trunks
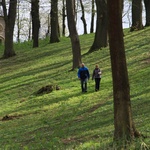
column 100, row 39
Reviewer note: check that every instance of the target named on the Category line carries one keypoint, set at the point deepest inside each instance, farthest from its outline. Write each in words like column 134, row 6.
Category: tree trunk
column 18, row 22
column 83, row 18
column 92, row 18
column 35, row 22
column 136, row 15
column 48, row 26
column 29, row 31
column 123, row 122
column 63, row 19
column 100, row 39
column 76, row 50
column 9, row 27
column 147, row 9
column 54, row 37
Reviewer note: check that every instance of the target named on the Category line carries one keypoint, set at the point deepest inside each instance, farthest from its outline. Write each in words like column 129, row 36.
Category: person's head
column 96, row 66
column 82, row 65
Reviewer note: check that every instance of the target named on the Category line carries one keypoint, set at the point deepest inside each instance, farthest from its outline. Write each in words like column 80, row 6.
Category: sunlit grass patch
column 67, row 118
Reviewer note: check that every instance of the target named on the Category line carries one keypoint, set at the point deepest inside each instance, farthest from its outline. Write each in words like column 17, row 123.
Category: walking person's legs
column 82, row 85
column 98, row 83
column 85, row 89
column 86, row 80
column 95, row 84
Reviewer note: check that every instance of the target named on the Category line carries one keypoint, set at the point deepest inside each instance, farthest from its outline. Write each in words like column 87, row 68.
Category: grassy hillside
column 67, row 119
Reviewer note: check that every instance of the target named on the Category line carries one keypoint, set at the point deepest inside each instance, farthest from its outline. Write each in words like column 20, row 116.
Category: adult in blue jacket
column 83, row 75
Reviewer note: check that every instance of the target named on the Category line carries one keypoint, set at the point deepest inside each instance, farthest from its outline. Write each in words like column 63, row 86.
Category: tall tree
column 9, row 17
column 100, row 39
column 92, row 18
column 35, row 22
column 18, row 21
column 147, row 10
column 30, row 24
column 54, row 36
column 76, row 50
column 83, row 18
column 63, row 18
column 123, row 121
column 136, row 15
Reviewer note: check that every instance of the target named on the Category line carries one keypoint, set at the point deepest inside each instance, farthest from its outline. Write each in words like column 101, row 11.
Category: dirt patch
column 47, row 89
column 90, row 110
column 95, row 107
column 7, row 118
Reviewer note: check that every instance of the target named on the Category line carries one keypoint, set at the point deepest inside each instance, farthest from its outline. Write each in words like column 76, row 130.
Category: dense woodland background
column 86, row 22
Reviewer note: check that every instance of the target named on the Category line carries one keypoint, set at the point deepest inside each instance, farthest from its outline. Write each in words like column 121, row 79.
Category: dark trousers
column 97, row 83
column 84, row 85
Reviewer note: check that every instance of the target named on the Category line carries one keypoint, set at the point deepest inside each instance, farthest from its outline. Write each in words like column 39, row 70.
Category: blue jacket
column 83, row 73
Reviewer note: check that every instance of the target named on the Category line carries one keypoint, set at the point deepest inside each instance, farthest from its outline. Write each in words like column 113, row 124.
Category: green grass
column 67, row 119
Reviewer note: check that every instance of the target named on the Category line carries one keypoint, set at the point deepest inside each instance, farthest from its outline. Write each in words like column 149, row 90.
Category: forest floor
column 67, row 119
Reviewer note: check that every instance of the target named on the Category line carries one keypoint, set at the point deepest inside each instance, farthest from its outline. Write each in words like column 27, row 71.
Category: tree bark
column 76, row 50
column 147, row 10
column 35, row 22
column 92, row 18
column 100, row 39
column 18, row 22
column 123, row 122
column 9, row 27
column 29, row 30
column 54, row 37
column 83, row 18
column 63, row 18
column 136, row 15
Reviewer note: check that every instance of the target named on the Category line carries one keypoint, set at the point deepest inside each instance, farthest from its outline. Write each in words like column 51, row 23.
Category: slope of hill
column 67, row 119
